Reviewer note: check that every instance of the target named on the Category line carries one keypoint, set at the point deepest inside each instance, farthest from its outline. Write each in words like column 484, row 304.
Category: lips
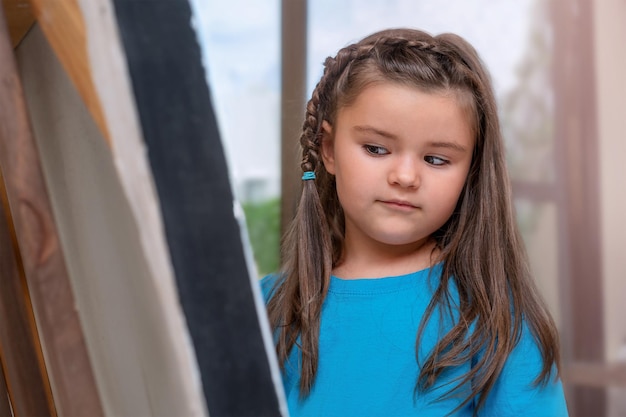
column 400, row 204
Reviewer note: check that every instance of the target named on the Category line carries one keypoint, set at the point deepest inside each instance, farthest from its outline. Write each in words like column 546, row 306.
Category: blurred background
column 557, row 71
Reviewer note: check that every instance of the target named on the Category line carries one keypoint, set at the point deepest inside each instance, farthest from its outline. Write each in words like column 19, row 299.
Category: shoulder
column 516, row 393
column 269, row 284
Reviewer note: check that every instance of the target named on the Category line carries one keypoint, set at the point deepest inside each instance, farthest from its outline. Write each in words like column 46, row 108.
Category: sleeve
column 515, row 394
column 268, row 286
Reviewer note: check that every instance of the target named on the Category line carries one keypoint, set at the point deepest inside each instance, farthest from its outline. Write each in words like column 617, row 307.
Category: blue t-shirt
column 367, row 358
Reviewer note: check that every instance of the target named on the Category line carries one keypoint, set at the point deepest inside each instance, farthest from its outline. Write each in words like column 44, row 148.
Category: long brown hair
column 480, row 246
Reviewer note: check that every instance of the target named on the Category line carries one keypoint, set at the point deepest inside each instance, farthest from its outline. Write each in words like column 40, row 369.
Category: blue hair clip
column 308, row 175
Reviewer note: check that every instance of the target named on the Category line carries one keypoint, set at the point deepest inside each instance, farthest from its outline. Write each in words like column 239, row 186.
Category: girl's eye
column 435, row 160
column 375, row 150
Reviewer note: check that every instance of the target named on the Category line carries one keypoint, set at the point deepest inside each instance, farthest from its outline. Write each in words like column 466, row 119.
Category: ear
column 328, row 147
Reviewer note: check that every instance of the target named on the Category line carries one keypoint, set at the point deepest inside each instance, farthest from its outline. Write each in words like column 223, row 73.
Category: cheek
column 449, row 194
column 349, row 174
column 347, row 191
column 351, row 191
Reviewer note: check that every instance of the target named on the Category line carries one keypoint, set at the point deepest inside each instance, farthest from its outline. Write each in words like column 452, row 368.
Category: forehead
column 464, row 98
column 407, row 111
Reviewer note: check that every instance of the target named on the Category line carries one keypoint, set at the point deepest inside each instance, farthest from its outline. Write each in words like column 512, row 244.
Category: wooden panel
column 63, row 24
column 595, row 375
column 20, row 18
column 20, row 352
column 576, row 138
column 42, row 258
column 293, row 103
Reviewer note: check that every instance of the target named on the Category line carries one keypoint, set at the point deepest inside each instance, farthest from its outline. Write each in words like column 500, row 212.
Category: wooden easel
column 33, row 266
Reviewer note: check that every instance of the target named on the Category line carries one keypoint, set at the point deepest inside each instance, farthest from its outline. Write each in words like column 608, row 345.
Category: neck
column 378, row 261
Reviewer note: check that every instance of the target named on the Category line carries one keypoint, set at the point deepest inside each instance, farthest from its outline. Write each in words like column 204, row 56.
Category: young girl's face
column 400, row 158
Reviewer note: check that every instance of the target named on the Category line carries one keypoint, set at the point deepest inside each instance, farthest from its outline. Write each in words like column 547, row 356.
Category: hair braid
column 295, row 307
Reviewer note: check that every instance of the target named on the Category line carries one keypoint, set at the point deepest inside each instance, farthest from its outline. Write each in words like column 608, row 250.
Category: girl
column 405, row 289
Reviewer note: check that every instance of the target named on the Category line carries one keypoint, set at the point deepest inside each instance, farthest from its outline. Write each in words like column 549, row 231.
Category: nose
column 405, row 172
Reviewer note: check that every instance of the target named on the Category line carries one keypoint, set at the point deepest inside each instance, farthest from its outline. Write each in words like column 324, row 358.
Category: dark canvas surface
column 191, row 177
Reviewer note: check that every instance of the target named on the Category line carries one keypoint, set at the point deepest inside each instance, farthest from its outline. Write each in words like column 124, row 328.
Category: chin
column 399, row 241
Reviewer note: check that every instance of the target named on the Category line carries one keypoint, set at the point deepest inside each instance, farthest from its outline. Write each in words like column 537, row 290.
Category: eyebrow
column 448, row 145
column 370, row 129
column 435, row 144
